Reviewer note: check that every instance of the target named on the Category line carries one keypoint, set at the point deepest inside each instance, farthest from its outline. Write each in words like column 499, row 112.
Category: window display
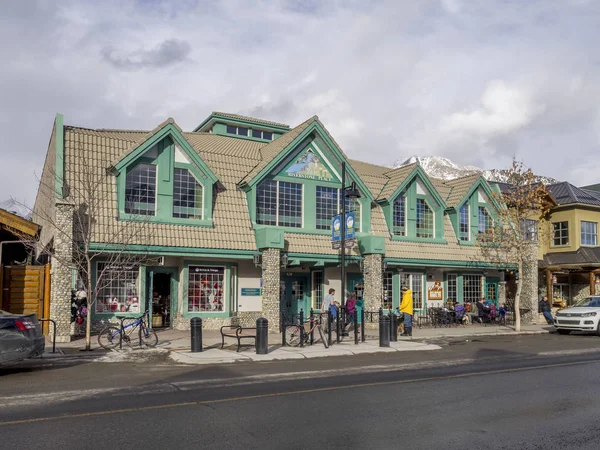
column 117, row 289
column 205, row 289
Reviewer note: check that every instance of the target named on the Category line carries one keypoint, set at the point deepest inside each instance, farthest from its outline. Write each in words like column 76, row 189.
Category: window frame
column 593, row 234
column 162, row 154
column 201, row 208
column 432, row 211
column 563, row 231
column 278, row 204
column 461, row 233
column 402, row 228
column 486, row 215
column 140, row 287
column 229, row 296
column 136, row 210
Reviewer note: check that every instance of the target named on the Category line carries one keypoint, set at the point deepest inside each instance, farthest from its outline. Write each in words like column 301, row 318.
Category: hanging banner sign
column 350, row 222
column 336, row 228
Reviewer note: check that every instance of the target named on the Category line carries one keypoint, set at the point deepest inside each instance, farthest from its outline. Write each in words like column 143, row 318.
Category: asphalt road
column 531, row 392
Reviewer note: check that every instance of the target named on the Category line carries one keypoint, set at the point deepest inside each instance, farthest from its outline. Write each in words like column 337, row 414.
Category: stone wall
column 61, row 272
column 271, row 276
column 579, row 292
column 373, row 282
column 529, row 286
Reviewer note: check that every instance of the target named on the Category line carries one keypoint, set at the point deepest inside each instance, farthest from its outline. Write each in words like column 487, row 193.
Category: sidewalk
column 177, row 343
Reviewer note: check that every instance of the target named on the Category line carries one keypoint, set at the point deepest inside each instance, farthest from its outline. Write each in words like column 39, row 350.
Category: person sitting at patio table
column 459, row 310
column 482, row 311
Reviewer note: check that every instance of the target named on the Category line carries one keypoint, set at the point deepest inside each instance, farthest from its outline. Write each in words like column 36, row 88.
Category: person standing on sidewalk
column 406, row 308
column 546, row 310
column 350, row 309
column 328, row 301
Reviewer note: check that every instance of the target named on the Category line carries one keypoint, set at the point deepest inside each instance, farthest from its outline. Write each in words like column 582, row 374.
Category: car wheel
column 598, row 329
column 563, row 331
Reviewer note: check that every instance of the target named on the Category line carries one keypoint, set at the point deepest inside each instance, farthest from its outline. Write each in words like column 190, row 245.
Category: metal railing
column 53, row 332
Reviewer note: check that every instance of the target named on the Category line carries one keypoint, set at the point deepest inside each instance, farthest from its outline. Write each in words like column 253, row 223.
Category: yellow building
column 569, row 259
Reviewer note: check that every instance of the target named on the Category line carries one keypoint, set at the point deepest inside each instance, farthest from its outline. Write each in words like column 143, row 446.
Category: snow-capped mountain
column 443, row 168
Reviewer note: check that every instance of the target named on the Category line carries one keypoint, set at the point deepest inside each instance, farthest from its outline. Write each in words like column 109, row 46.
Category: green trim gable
column 480, row 182
column 174, row 132
column 409, row 188
column 313, row 132
column 59, row 142
column 167, row 140
column 472, row 200
column 417, row 172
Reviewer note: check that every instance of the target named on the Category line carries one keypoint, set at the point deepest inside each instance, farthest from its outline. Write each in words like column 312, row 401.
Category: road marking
column 290, row 393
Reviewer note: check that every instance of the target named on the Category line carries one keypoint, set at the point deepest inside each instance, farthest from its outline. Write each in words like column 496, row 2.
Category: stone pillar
column 501, row 293
column 529, row 286
column 61, row 271
column 373, row 282
column 271, row 289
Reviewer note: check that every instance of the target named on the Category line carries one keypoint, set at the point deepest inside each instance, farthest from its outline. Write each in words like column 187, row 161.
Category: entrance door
column 294, row 295
column 162, row 291
column 356, row 284
column 491, row 290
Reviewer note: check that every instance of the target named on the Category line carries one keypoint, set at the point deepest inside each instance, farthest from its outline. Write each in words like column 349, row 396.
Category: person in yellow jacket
column 406, row 307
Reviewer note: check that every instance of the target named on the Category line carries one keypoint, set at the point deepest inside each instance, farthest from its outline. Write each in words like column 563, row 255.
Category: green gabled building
column 237, row 215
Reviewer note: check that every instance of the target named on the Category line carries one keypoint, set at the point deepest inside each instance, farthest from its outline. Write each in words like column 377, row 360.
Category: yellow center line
column 298, row 392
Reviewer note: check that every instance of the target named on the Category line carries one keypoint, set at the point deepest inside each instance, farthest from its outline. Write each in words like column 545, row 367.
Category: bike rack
column 53, row 332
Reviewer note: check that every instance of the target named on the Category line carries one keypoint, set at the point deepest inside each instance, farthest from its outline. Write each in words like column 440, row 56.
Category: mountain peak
column 444, row 169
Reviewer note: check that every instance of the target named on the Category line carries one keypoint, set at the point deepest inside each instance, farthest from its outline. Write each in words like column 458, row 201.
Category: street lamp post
column 347, row 192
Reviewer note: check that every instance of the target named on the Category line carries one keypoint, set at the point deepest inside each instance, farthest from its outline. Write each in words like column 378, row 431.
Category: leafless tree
column 91, row 193
column 514, row 237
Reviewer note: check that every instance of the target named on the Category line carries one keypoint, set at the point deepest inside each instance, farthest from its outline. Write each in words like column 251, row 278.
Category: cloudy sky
column 477, row 81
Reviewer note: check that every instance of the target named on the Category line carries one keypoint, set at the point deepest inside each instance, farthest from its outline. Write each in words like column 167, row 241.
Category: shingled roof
column 231, row 160
column 565, row 193
column 252, row 119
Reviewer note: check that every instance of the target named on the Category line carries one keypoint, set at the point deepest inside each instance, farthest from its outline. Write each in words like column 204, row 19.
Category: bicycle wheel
column 148, row 337
column 293, row 335
column 109, row 338
column 323, row 337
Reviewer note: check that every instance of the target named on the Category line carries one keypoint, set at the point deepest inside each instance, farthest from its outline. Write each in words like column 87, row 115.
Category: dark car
column 21, row 337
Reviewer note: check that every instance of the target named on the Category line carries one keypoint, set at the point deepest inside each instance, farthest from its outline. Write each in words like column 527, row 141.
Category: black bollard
column 362, row 325
column 355, row 320
column 262, row 336
column 393, row 327
column 196, row 334
column 329, row 324
column 384, row 331
column 301, row 327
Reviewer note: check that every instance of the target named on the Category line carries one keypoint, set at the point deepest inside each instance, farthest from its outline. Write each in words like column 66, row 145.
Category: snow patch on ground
column 134, row 355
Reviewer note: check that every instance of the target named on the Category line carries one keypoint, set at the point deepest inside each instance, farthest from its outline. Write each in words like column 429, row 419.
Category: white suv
column 583, row 316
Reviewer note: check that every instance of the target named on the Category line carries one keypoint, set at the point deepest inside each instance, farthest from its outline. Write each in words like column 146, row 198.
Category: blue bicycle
column 111, row 336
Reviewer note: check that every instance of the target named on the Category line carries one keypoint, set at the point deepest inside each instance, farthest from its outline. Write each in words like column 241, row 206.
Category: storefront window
column 388, row 290
column 415, row 282
column 117, row 288
column 317, row 289
column 451, row 281
column 471, row 288
column 205, row 289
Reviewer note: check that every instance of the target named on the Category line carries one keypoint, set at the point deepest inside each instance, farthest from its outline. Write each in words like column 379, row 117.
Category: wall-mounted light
column 384, row 265
column 284, row 260
column 257, row 260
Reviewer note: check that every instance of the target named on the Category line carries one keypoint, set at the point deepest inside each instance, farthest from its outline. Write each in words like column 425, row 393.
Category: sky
column 477, row 81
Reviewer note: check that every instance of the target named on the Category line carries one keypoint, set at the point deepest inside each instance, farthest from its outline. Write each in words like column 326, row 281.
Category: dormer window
column 425, row 227
column 279, row 203
column 485, row 220
column 463, row 232
column 140, row 190
column 399, row 216
column 187, row 195
column 241, row 131
column 260, row 134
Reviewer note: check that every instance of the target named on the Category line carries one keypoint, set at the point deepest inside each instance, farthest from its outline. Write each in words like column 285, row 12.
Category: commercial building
column 237, row 218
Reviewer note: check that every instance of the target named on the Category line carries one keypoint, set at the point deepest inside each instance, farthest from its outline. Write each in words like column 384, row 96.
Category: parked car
column 583, row 316
column 21, row 337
